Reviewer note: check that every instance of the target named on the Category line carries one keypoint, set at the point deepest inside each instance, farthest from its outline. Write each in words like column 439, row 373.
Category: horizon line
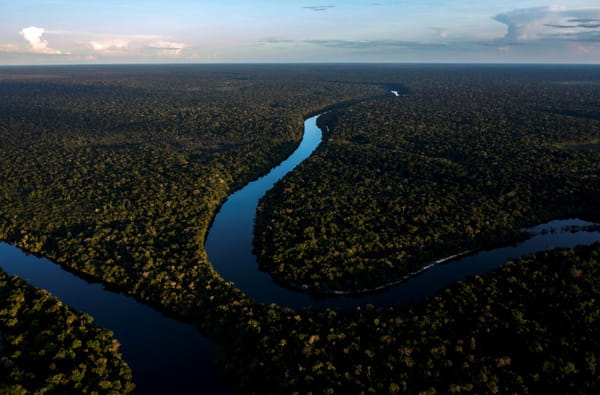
column 299, row 63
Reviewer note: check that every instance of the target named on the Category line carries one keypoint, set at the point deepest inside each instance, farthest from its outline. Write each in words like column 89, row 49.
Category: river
column 167, row 355
column 234, row 226
column 162, row 352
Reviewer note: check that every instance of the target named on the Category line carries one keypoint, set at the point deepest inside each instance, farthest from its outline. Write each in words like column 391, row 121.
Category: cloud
column 274, row 40
column 550, row 23
column 319, row 7
column 167, row 48
column 133, row 45
column 560, row 26
column 33, row 35
column 110, row 45
column 582, row 25
column 94, row 45
column 575, row 20
column 364, row 44
column 524, row 24
column 373, row 44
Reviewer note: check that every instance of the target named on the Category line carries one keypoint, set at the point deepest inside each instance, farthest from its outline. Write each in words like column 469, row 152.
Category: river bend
column 162, row 351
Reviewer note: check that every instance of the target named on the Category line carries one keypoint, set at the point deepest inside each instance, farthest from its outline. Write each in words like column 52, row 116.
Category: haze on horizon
column 188, row 31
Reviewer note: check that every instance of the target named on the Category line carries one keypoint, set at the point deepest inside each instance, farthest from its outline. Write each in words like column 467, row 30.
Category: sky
column 274, row 31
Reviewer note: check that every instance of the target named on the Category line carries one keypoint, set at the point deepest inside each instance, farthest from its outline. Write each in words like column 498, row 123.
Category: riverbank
column 333, row 292
column 161, row 351
column 44, row 344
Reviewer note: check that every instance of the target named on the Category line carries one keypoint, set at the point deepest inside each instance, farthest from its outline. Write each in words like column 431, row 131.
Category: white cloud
column 135, row 45
column 551, row 23
column 90, row 46
column 109, row 46
column 33, row 35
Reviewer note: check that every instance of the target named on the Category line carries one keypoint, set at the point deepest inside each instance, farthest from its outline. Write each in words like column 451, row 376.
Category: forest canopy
column 462, row 162
column 46, row 346
column 117, row 171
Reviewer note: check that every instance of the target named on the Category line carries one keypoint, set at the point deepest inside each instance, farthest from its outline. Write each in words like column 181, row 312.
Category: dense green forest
column 116, row 172
column 530, row 326
column 459, row 164
column 46, row 347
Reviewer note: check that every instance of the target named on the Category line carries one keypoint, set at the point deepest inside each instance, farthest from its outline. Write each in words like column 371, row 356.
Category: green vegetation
column 462, row 163
column 528, row 327
column 117, row 171
column 46, row 347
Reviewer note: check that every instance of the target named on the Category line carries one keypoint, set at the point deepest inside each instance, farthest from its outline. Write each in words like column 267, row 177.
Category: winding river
column 162, row 351
column 234, row 226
